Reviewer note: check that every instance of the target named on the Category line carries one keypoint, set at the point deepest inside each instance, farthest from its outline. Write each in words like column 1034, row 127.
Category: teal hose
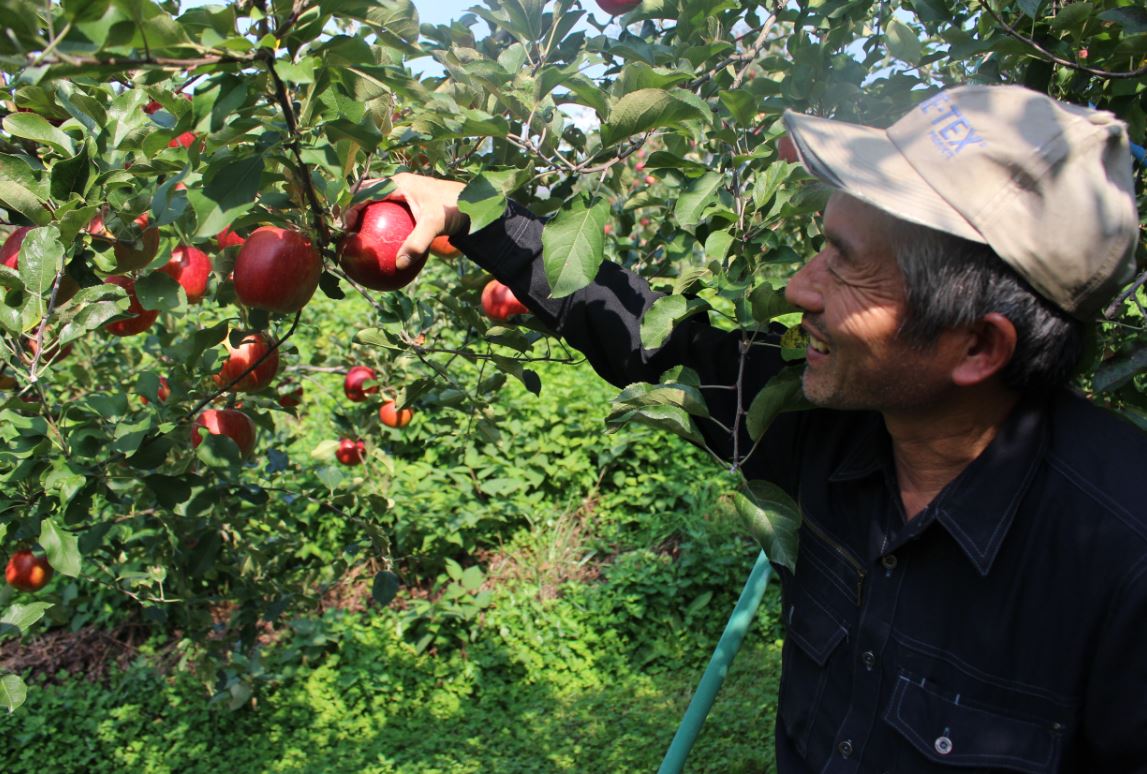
column 726, row 650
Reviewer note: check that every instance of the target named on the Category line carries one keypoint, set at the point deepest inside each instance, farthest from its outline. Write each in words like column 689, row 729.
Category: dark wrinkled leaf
column 385, row 587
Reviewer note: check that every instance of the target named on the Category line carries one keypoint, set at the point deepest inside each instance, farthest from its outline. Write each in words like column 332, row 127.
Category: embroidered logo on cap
column 951, row 131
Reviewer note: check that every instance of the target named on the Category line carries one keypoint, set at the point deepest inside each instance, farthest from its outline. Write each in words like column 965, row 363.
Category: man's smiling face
column 853, row 296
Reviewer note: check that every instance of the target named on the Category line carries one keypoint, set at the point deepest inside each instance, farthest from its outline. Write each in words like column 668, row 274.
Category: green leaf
column 61, row 547
column 385, row 587
column 24, row 616
column 91, row 308
column 229, row 191
column 169, row 491
column 159, row 291
column 772, row 518
column 684, row 396
column 660, row 318
column 647, row 109
column 670, row 418
column 325, row 450
column 1072, row 15
column 471, row 579
column 1118, row 371
column 484, row 198
column 64, row 482
column 129, row 433
column 741, row 104
column 782, row 393
column 37, row 129
column 696, row 197
column 1030, row 7
column 70, row 176
column 41, row 257
column 218, row 451
column 768, row 303
column 13, row 692
column 903, row 43
column 573, row 245
column 1133, row 20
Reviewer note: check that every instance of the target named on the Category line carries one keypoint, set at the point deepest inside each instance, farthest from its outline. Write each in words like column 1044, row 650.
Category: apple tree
column 143, row 147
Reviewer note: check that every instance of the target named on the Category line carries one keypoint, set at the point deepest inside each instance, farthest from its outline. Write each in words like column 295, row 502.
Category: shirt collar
column 977, row 508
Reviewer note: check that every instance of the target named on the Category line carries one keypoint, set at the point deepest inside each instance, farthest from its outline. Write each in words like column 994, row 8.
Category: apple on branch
column 138, row 319
column 229, row 422
column 499, row 302
column 251, row 348
column 391, row 416
column 27, row 572
column 190, row 267
column 350, row 452
column 277, row 270
column 353, row 383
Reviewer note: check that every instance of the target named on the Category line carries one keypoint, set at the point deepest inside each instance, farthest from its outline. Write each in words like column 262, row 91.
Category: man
column 971, row 583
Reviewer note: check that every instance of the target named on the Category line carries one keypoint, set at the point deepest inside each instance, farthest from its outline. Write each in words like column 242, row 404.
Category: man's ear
column 989, row 346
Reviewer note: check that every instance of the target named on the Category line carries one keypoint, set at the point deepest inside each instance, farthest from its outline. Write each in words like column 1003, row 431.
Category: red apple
column 615, row 7
column 228, row 238
column 444, row 248
column 350, row 452
column 163, row 393
column 367, row 253
column 290, row 395
column 139, row 319
column 239, row 359
column 607, row 229
column 277, row 270
column 787, row 149
column 352, row 384
column 27, row 572
column 499, row 302
column 650, row 180
column 234, row 424
column 185, row 140
column 190, row 267
column 390, row 416
column 10, row 251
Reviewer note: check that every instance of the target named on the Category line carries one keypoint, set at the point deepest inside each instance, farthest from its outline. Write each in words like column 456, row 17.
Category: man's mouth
column 815, row 344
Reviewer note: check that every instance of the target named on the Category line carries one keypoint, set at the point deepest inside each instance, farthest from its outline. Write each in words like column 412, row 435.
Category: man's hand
column 434, row 204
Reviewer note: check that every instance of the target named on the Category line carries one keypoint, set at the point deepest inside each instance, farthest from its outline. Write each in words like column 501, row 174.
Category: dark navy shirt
column 1004, row 628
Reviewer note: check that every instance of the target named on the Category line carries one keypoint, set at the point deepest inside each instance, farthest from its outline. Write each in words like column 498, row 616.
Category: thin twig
column 1114, row 306
column 1057, row 59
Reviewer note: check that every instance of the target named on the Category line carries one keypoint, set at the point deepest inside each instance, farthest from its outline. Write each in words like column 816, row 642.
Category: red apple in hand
column 499, row 302
column 390, row 416
column 352, row 384
column 234, row 424
column 615, row 7
column 367, row 253
column 350, row 452
column 27, row 572
column 190, row 267
column 240, row 358
column 139, row 319
column 277, row 270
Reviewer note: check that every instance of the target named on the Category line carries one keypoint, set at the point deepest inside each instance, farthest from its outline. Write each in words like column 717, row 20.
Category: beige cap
column 1045, row 184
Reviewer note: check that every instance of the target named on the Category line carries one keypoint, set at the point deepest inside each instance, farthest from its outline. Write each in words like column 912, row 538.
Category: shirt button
column 889, row 561
column 943, row 745
column 869, row 659
column 845, row 748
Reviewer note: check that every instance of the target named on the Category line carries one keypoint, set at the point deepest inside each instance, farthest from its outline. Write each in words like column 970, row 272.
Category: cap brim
column 864, row 163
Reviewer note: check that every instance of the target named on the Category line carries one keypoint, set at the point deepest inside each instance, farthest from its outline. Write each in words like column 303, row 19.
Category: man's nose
column 804, row 288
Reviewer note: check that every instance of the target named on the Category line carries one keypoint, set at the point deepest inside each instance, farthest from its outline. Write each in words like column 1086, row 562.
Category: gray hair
column 952, row 282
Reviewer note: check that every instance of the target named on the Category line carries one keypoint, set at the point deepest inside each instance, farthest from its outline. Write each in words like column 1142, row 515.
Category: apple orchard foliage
column 650, row 139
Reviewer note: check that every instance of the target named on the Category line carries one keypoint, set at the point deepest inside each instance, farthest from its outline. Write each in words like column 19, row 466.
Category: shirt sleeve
column 603, row 322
